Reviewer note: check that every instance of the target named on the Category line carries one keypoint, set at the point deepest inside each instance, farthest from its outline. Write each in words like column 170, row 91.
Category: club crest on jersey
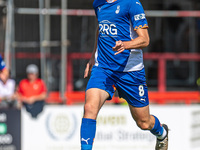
column 118, row 9
column 139, row 17
column 107, row 28
column 111, row 1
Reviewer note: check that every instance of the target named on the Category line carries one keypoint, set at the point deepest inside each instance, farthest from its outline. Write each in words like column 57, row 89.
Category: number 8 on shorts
column 141, row 90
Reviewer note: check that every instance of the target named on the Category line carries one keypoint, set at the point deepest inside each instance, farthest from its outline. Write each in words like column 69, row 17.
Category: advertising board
column 10, row 129
column 58, row 128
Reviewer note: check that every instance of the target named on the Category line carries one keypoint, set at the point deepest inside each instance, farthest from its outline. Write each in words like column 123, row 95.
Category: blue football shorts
column 131, row 86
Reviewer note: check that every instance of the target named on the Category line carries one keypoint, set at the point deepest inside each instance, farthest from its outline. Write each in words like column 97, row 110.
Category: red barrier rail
column 185, row 97
column 161, row 96
column 160, row 57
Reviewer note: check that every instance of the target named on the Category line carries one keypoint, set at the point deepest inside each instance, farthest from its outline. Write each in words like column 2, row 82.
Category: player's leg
column 95, row 98
column 145, row 121
column 99, row 89
column 133, row 88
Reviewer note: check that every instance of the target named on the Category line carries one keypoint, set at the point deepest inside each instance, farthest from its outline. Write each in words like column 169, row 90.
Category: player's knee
column 89, row 110
column 143, row 125
column 88, row 107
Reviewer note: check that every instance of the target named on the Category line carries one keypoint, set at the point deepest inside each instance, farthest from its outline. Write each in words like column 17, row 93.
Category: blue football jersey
column 2, row 64
column 119, row 20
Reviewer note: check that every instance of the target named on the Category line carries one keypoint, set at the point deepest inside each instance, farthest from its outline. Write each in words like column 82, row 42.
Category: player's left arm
column 140, row 42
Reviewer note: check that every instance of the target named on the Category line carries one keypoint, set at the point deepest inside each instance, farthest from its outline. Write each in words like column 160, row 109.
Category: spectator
column 32, row 91
column 7, row 90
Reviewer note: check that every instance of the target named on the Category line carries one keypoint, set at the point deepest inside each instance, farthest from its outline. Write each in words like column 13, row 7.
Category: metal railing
column 44, row 11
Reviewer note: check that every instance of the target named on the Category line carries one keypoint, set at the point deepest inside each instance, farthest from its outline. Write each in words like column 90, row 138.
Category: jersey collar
column 111, row 1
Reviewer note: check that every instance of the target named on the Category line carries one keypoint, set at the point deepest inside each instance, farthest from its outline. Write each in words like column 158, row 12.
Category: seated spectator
column 7, row 86
column 32, row 91
column 7, row 91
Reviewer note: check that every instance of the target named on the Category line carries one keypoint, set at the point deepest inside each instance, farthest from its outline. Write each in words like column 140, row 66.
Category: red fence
column 160, row 57
column 161, row 96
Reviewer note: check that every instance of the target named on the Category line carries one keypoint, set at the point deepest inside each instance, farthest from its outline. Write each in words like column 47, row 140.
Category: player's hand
column 88, row 67
column 119, row 47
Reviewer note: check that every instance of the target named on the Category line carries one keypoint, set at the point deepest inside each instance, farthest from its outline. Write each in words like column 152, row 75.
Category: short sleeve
column 137, row 15
column 97, row 4
column 10, row 89
column 2, row 64
column 43, row 87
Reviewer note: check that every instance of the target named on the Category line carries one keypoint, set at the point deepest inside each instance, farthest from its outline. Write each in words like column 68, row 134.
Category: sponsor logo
column 139, row 17
column 106, row 28
column 61, row 126
column 10, row 138
column 142, row 99
column 118, row 9
column 138, row 3
column 84, row 140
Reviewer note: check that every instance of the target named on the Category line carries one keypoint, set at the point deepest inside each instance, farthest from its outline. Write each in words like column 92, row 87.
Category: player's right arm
column 139, row 24
column 92, row 59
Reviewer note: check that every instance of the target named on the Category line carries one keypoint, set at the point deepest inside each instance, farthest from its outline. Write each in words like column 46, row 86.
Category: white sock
column 161, row 137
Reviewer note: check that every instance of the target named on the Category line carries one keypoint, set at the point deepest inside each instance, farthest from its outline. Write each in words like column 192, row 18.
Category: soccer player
column 118, row 60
